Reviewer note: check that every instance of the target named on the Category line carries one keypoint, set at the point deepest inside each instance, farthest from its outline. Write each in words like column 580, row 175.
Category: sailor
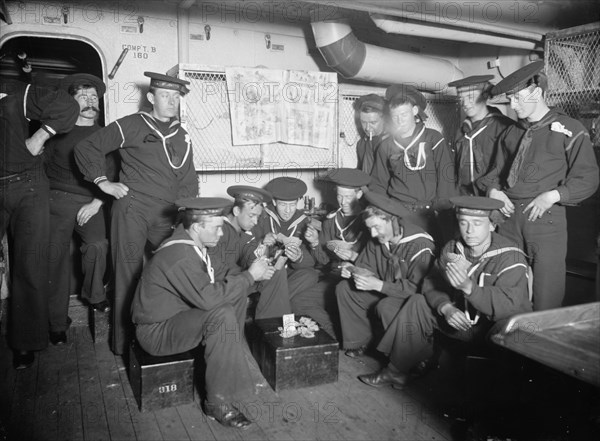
column 479, row 279
column 392, row 266
column 180, row 303
column 341, row 237
column 239, row 247
column 282, row 229
column 24, row 195
column 543, row 163
column 414, row 165
column 76, row 206
column 476, row 141
column 157, row 168
column 371, row 122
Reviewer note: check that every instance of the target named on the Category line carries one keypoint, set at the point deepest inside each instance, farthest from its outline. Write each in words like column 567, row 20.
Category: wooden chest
column 160, row 382
column 289, row 363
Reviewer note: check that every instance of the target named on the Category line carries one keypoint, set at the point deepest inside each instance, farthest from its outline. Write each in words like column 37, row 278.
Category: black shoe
column 58, row 338
column 382, row 378
column 227, row 415
column 356, row 352
column 102, row 306
column 23, row 359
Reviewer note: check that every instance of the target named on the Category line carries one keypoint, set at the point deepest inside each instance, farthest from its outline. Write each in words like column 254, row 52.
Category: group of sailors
column 424, row 236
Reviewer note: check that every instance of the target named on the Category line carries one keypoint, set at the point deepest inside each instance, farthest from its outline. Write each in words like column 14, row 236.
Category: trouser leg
column 94, row 250
column 388, row 308
column 547, row 245
column 408, row 338
column 128, row 239
column 354, row 307
column 63, row 212
column 274, row 300
column 227, row 375
column 29, row 227
column 315, row 303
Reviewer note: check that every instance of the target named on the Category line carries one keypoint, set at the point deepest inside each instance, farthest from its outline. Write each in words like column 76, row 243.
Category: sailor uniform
column 401, row 266
column 235, row 253
column 554, row 153
column 367, row 145
column 180, row 304
column 24, row 195
column 417, row 171
column 476, row 150
column 301, row 275
column 157, row 167
column 500, row 290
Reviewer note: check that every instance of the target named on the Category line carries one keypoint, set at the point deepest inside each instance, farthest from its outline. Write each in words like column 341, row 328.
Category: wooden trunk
column 160, row 382
column 289, row 363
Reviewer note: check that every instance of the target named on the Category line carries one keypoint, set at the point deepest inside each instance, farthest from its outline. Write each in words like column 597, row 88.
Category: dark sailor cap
column 208, row 206
column 162, row 81
column 472, row 81
column 286, row 189
column 519, row 79
column 83, row 78
column 248, row 192
column 476, row 205
column 386, row 204
column 408, row 91
column 371, row 100
column 347, row 177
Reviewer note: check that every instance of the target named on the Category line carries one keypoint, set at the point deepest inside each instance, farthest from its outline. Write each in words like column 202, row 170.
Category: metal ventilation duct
column 354, row 59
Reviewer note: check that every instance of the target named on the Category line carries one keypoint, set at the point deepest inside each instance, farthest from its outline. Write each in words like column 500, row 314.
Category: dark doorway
column 50, row 59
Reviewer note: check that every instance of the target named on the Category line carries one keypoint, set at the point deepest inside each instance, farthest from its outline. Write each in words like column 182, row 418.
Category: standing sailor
column 479, row 132
column 156, row 169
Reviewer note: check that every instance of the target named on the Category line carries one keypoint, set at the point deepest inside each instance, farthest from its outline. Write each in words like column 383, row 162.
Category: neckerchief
column 524, row 145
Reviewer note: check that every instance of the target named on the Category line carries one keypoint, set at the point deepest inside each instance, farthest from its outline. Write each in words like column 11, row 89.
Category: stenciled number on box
column 167, row 388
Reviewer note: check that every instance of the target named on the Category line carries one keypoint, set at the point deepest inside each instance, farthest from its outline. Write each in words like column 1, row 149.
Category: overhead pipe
column 354, row 59
column 435, row 31
column 407, row 12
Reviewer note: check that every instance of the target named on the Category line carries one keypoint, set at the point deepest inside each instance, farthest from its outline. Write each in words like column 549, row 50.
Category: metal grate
column 573, row 69
column 205, row 114
column 206, row 117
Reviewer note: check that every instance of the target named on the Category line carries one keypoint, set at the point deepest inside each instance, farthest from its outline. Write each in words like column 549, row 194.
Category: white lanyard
column 342, row 230
column 206, row 259
column 471, row 158
column 420, row 153
column 164, row 144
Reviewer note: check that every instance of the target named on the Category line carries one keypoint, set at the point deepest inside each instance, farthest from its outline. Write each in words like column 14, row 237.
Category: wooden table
column 567, row 339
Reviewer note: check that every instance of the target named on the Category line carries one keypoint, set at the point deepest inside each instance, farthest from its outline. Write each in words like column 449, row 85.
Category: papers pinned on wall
column 293, row 107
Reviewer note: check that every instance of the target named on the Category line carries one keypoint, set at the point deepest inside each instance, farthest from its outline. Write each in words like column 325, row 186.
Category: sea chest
column 160, row 382
column 289, row 363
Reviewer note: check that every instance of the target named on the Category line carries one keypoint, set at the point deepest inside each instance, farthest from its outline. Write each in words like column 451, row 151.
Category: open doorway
column 46, row 60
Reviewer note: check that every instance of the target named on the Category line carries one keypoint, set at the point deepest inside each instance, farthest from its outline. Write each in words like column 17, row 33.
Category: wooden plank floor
column 80, row 391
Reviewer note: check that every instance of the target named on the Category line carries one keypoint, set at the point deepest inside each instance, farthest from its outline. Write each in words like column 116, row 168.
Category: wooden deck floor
column 80, row 391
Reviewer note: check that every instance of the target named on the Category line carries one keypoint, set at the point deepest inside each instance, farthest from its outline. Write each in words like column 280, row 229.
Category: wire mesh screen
column 443, row 116
column 205, row 114
column 573, row 69
column 207, row 120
